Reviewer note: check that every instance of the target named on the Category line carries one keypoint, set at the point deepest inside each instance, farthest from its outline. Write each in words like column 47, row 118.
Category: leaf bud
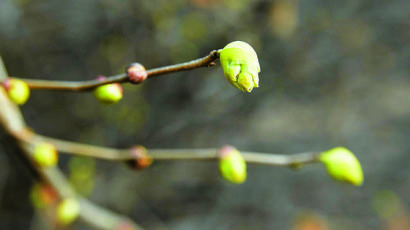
column 45, row 154
column 342, row 165
column 17, row 90
column 142, row 158
column 42, row 195
column 240, row 65
column 109, row 93
column 136, row 73
column 232, row 165
column 67, row 211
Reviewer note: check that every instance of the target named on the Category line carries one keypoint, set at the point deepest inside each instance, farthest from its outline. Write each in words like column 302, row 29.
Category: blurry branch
column 12, row 121
column 289, row 160
column 121, row 78
column 90, row 213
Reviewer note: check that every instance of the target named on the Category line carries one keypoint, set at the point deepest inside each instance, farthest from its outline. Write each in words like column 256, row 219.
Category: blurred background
column 334, row 73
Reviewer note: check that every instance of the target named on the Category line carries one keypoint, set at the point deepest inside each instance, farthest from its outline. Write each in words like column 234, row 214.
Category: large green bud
column 342, row 165
column 240, row 64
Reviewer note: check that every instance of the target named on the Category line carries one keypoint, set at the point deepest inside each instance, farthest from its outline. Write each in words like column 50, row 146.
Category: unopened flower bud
column 136, row 73
column 109, row 93
column 67, row 211
column 17, row 90
column 232, row 165
column 240, row 64
column 142, row 158
column 342, row 165
column 45, row 154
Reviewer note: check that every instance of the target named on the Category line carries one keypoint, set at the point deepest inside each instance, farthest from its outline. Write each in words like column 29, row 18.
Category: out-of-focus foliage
column 335, row 73
column 82, row 174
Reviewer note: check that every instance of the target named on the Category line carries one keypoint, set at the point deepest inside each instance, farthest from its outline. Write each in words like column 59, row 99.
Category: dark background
column 334, row 73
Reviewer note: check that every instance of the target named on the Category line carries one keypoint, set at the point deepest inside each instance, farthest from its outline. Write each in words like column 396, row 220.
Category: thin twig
column 114, row 154
column 120, row 78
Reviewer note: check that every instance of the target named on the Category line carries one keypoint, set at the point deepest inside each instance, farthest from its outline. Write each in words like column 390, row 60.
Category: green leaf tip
column 342, row 165
column 232, row 165
column 241, row 66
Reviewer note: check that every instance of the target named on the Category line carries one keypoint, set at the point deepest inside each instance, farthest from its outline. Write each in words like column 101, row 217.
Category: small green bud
column 17, row 90
column 240, row 64
column 45, row 154
column 67, row 211
column 342, row 165
column 109, row 93
column 232, row 166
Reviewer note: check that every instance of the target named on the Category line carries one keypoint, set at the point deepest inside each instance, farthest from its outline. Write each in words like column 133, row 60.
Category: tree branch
column 13, row 123
column 272, row 159
column 94, row 215
column 120, row 78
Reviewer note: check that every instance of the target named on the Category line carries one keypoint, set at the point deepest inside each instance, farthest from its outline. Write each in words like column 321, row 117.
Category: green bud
column 67, row 211
column 109, row 93
column 232, row 166
column 240, row 64
column 342, row 165
column 17, row 90
column 45, row 154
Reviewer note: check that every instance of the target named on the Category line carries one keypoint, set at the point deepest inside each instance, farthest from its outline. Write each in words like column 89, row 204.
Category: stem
column 113, row 154
column 120, row 78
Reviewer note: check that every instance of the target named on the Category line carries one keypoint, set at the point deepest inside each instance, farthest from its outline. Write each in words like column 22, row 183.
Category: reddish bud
column 125, row 226
column 142, row 159
column 7, row 84
column 48, row 194
column 136, row 73
column 43, row 195
column 101, row 78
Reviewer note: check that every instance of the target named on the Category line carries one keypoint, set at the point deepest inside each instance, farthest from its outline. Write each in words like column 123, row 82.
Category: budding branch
column 120, row 78
column 13, row 123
